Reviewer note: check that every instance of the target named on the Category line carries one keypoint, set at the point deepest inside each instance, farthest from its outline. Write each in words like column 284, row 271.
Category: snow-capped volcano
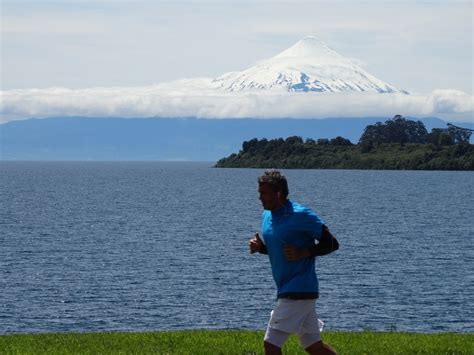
column 309, row 65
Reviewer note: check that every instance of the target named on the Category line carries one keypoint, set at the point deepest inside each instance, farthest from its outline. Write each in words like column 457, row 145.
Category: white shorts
column 294, row 317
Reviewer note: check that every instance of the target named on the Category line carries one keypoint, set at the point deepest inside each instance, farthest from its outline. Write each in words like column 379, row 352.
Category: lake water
column 92, row 246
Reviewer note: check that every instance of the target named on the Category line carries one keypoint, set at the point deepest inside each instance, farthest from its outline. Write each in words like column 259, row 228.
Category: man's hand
column 255, row 244
column 293, row 253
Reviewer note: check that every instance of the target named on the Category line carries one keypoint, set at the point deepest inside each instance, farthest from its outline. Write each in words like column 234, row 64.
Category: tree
column 366, row 146
column 374, row 133
column 249, row 145
column 440, row 136
column 459, row 134
column 294, row 140
column 396, row 130
column 340, row 141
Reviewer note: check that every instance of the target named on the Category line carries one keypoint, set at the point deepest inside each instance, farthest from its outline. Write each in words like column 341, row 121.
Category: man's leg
column 319, row 348
column 311, row 337
column 274, row 340
column 271, row 349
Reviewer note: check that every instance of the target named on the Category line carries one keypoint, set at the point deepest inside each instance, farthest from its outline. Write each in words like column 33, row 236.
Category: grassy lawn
column 230, row 342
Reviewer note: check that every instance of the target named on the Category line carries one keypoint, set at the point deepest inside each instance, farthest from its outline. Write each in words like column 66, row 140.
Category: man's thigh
column 309, row 332
column 293, row 316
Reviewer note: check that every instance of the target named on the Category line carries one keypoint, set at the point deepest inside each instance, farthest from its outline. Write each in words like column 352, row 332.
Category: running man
column 289, row 231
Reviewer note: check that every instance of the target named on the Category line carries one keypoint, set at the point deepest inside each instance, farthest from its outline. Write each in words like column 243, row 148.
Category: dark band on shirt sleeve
column 326, row 245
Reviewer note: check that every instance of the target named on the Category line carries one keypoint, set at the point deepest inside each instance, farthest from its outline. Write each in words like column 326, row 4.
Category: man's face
column 268, row 196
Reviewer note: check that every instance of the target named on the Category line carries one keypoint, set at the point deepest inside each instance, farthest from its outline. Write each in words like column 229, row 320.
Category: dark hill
column 160, row 138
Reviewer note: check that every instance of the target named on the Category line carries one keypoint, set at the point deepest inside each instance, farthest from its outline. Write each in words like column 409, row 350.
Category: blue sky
column 419, row 46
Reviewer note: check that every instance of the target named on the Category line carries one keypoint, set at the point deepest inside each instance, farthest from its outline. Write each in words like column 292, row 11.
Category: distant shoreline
column 379, row 157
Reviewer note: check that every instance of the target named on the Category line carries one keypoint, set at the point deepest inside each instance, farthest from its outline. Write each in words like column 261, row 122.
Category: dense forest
column 398, row 144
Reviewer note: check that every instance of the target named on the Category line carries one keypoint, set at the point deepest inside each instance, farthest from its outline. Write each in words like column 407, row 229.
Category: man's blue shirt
column 295, row 225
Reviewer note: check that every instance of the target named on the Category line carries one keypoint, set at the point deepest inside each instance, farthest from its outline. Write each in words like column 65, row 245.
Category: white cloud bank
column 197, row 98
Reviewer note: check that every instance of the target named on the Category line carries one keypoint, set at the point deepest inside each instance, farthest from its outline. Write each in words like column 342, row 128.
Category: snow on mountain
column 309, row 65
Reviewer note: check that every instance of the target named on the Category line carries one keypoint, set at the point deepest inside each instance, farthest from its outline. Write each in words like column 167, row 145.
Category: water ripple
column 149, row 246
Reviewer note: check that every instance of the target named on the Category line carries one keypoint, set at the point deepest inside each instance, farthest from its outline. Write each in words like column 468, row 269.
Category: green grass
column 230, row 342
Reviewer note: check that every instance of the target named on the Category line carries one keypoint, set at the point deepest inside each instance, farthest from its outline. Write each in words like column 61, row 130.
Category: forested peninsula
column 397, row 144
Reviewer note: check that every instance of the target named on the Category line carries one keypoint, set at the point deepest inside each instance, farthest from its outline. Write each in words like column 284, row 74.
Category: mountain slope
column 309, row 65
column 162, row 139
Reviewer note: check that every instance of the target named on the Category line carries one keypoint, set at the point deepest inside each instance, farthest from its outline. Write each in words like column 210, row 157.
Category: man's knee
column 319, row 348
column 275, row 337
column 271, row 349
